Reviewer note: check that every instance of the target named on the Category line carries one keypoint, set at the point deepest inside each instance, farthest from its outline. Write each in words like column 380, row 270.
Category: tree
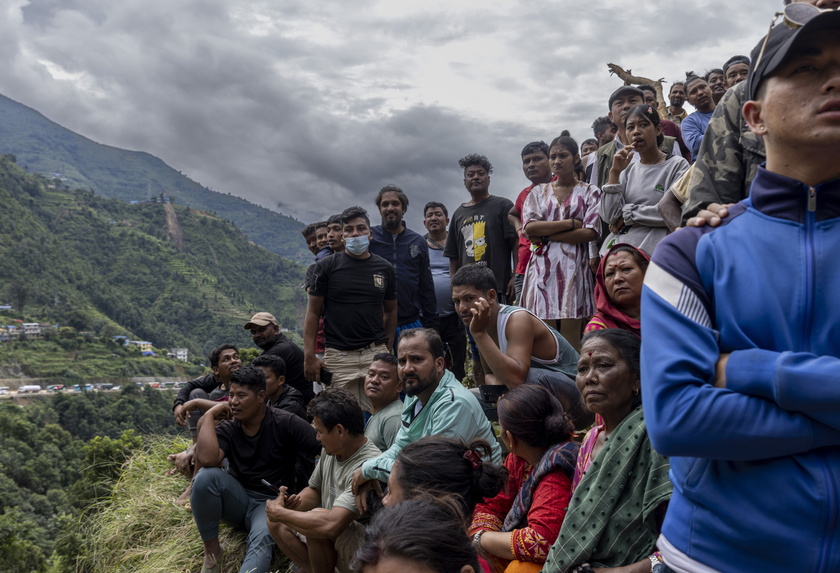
column 18, row 551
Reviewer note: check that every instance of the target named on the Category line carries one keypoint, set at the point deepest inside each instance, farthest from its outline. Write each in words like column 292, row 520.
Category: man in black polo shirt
column 259, row 443
column 266, row 334
column 356, row 292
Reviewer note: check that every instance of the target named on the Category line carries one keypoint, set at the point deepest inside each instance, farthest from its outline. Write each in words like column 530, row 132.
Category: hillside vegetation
column 83, row 487
column 58, row 456
column 70, row 358
column 43, row 146
column 160, row 272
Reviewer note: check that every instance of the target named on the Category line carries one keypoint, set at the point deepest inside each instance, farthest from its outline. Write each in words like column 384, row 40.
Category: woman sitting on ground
column 514, row 530
column 422, row 535
column 621, row 483
column 442, row 466
column 618, row 289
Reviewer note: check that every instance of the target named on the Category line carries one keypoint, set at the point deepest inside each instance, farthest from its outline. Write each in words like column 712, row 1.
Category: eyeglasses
column 794, row 16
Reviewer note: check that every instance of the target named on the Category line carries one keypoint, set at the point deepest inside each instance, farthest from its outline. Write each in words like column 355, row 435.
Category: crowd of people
column 644, row 398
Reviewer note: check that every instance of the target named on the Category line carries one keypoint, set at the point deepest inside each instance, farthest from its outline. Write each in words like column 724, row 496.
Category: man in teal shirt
column 436, row 405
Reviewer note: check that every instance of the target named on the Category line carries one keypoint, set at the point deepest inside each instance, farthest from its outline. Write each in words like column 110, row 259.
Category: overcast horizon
column 306, row 108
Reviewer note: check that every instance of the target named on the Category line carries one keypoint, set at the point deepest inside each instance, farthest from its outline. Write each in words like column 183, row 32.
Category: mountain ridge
column 175, row 276
column 45, row 147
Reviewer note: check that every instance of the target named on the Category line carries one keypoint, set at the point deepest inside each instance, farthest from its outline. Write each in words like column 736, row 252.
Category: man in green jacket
column 436, row 405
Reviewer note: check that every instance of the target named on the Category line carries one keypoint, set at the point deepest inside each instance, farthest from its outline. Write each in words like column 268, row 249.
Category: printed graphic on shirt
column 379, row 281
column 475, row 243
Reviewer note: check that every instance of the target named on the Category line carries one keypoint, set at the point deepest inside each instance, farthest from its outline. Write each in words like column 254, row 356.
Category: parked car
column 55, row 387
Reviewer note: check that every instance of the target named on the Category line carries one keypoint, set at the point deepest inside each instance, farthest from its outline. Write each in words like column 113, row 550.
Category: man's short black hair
column 433, row 340
column 435, row 205
column 675, row 84
column 252, row 378
column 476, row 159
column 535, row 147
column 213, row 358
column 478, row 276
column 386, row 357
column 712, row 71
column 590, row 140
column 320, row 224
column 601, row 124
column 308, row 230
column 272, row 362
column 356, row 212
column 647, row 88
column 391, row 188
column 335, row 406
column 334, row 219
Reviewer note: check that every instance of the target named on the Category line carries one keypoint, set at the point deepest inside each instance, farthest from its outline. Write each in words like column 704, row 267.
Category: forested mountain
column 59, row 455
column 42, row 146
column 165, row 273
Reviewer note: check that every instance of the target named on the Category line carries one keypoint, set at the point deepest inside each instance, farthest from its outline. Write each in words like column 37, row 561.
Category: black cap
column 735, row 60
column 623, row 90
column 782, row 40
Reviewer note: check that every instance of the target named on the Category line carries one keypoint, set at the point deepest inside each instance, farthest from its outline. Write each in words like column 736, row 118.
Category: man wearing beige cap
column 266, row 334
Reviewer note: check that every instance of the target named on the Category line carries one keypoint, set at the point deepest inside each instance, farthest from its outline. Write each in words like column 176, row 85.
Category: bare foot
column 212, row 553
column 184, row 498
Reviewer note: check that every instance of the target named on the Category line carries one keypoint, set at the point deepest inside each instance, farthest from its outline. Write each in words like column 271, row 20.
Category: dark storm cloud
column 317, row 107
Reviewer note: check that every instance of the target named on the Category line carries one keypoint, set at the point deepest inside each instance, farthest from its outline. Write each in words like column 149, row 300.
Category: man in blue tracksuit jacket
column 408, row 252
column 741, row 336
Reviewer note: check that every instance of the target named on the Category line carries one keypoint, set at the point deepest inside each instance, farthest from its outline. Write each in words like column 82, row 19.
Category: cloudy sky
column 308, row 107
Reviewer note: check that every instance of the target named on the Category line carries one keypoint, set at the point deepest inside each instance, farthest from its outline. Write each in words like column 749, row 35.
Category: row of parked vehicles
column 34, row 388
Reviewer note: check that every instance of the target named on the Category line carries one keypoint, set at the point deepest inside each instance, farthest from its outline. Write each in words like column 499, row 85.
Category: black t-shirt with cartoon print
column 482, row 233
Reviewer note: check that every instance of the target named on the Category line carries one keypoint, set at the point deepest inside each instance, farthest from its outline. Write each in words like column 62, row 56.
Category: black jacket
column 292, row 401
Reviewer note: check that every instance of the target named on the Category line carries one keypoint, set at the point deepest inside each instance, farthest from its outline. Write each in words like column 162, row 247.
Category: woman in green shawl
column 621, row 484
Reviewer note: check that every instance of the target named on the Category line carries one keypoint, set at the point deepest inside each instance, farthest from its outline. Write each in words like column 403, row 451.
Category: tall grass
column 140, row 530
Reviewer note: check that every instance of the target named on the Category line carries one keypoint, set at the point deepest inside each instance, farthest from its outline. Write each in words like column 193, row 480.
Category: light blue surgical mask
column 357, row 245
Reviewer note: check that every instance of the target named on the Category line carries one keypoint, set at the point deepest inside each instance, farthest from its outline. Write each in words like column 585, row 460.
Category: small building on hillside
column 181, row 354
column 9, row 333
column 31, row 330
column 143, row 345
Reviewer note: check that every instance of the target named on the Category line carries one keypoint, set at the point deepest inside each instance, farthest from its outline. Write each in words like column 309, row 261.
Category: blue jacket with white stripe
column 755, row 465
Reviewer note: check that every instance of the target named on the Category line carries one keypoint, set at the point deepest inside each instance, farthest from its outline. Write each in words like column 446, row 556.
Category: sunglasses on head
column 794, row 16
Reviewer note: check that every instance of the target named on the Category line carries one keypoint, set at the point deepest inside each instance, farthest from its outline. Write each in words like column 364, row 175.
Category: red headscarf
column 606, row 311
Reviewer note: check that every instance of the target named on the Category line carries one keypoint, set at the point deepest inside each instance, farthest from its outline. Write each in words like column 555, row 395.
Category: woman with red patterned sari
column 514, row 530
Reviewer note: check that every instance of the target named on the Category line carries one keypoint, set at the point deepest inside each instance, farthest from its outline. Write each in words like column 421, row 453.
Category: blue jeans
column 216, row 496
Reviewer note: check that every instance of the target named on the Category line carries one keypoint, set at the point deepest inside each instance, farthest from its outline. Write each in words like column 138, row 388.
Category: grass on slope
column 140, row 530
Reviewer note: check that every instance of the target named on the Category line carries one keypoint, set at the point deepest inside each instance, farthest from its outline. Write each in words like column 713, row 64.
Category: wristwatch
column 476, row 541
column 655, row 564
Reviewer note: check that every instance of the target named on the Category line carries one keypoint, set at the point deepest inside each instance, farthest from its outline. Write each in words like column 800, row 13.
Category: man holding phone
column 260, row 444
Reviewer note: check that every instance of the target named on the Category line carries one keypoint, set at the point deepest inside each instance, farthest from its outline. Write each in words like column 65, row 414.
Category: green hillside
column 42, row 146
column 165, row 273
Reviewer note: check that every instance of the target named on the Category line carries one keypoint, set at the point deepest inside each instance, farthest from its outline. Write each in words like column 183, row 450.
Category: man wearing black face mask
column 357, row 294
